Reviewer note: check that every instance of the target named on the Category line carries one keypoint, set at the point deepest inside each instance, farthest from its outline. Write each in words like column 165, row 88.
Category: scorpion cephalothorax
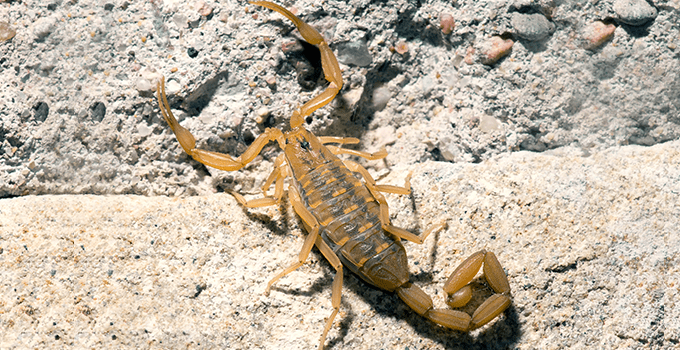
column 346, row 215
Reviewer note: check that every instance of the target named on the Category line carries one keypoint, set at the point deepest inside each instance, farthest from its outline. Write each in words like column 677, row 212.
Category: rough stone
column 532, row 27
column 588, row 243
column 634, row 12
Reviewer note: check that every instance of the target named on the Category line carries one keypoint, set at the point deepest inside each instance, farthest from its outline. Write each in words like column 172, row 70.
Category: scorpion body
column 343, row 209
column 349, row 217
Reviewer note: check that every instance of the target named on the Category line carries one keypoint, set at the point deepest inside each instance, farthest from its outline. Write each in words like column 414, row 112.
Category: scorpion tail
column 457, row 287
column 331, row 68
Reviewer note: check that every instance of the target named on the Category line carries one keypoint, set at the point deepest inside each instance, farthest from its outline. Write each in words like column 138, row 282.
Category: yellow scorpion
column 343, row 208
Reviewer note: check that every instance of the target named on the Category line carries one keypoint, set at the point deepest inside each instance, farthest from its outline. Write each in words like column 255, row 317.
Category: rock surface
column 586, row 226
column 589, row 245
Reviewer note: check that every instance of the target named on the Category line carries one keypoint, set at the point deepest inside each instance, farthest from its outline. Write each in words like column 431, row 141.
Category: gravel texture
column 559, row 153
column 79, row 117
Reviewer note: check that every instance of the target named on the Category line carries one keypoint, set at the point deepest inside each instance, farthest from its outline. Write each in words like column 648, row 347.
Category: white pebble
column 143, row 130
column 147, row 81
column 172, row 87
column 381, row 96
column 181, row 21
column 488, row 123
column 385, row 135
column 351, row 97
column 143, row 85
column 262, row 114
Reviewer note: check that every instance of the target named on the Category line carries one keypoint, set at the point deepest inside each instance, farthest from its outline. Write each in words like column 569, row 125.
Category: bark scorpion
column 347, row 218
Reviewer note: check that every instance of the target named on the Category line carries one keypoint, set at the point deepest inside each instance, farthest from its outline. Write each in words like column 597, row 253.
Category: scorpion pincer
column 343, row 208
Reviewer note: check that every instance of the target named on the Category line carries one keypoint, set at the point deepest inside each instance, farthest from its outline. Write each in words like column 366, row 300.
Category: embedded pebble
column 6, row 32
column 41, row 111
column 401, row 47
column 381, row 96
column 97, row 112
column 532, row 27
column 203, row 8
column 494, row 49
column 352, row 97
column 44, row 26
column 262, row 115
column 147, row 81
column 144, row 130
column 355, row 53
column 596, row 34
column 385, row 135
column 470, row 55
column 172, row 87
column 487, row 123
column 181, row 21
column 143, row 85
column 446, row 23
column 634, row 12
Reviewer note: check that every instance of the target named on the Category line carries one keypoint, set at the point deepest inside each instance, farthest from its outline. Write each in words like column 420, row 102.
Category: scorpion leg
column 401, row 233
column 419, row 301
column 275, row 173
column 214, row 159
column 370, row 156
column 371, row 185
column 384, row 209
column 331, row 68
column 310, row 221
column 335, row 139
column 310, row 240
column 267, row 200
column 337, row 284
column 370, row 182
column 279, row 174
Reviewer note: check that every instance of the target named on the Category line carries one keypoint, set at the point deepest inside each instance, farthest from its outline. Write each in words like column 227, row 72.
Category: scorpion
column 343, row 208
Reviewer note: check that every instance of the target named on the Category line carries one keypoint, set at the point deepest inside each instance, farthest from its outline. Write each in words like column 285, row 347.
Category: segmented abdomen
column 348, row 216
